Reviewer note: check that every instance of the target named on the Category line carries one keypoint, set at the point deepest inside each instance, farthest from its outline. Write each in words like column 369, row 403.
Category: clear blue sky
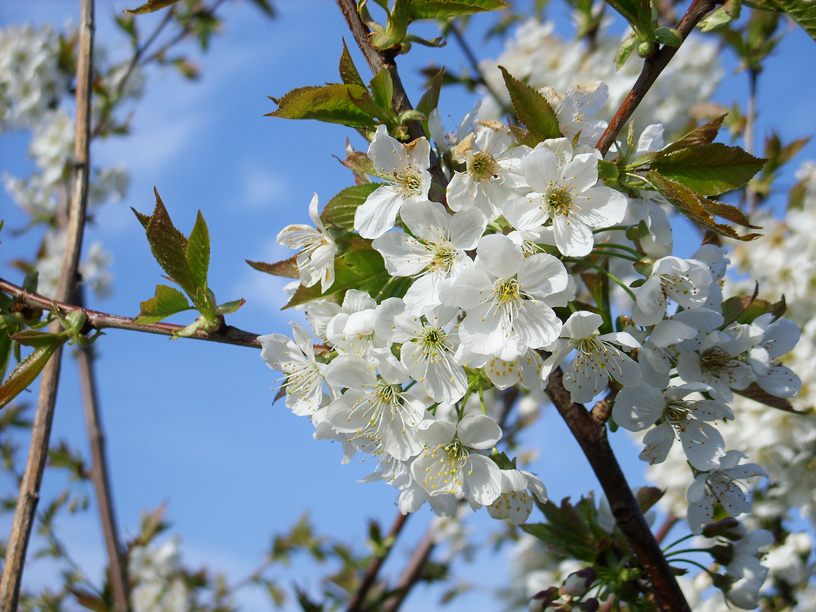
column 192, row 423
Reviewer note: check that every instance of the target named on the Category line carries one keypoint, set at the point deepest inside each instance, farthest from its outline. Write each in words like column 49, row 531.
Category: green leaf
column 710, row 169
column 341, row 208
column 695, row 206
column 166, row 302
column 668, row 36
column 697, row 137
column 745, row 309
column 532, row 109
column 265, row 6
column 348, row 71
column 396, row 28
column 287, row 268
column 229, row 307
column 333, row 103
column 28, row 369
column 6, row 345
column 382, row 89
column 447, row 9
column 360, row 268
column 624, row 51
column 198, row 252
column 758, row 394
column 151, row 6
column 169, row 247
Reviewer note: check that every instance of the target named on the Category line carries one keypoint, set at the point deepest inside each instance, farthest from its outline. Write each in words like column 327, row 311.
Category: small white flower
column 316, row 260
column 516, row 500
column 303, row 380
column 685, row 281
column 448, row 465
column 406, row 166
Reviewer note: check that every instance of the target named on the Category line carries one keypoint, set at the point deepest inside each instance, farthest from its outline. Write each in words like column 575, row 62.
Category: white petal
column 479, row 431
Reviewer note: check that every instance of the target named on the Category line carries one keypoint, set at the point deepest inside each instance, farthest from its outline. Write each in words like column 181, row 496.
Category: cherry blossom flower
column 303, row 380
column 503, row 295
column 406, row 167
column 315, row 261
column 571, row 109
column 516, row 500
column 448, row 464
column 720, row 485
column 435, row 252
column 636, row 408
column 564, row 190
column 596, row 361
column 685, row 281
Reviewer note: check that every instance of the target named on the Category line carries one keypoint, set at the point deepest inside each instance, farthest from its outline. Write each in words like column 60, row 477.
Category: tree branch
column 410, row 575
column 652, row 67
column 591, row 436
column 102, row 320
column 117, row 574
column 373, row 569
column 26, row 508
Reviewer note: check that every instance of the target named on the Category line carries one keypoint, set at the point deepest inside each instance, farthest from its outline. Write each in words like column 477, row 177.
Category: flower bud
column 578, row 583
column 542, row 600
column 588, row 605
column 728, row 527
column 646, row 49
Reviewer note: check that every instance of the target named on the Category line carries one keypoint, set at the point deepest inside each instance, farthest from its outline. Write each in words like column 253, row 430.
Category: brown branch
column 102, row 320
column 665, row 528
column 410, row 575
column 373, row 569
column 378, row 60
column 26, row 508
column 117, row 574
column 652, row 67
column 591, row 436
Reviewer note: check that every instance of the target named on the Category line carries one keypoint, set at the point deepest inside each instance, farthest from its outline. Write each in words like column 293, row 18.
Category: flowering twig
column 410, row 575
column 102, row 320
column 591, row 436
column 652, row 67
column 26, row 508
column 373, row 569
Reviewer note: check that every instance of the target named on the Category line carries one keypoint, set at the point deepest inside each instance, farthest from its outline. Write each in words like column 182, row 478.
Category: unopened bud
column 578, row 583
column 588, row 605
column 646, row 49
column 542, row 600
column 728, row 527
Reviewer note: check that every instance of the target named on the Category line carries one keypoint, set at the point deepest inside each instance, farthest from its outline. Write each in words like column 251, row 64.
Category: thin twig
column 591, row 436
column 652, row 67
column 373, row 569
column 102, row 320
column 118, row 576
column 26, row 508
column 751, row 194
column 410, row 575
column 474, row 64
column 665, row 528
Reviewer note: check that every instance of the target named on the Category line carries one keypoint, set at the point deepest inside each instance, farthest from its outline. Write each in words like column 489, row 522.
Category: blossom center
column 483, row 167
column 507, row 292
column 409, row 182
column 560, row 201
column 442, row 258
column 433, row 342
column 715, row 360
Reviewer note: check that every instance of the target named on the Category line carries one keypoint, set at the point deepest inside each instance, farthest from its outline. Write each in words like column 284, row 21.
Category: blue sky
column 192, row 423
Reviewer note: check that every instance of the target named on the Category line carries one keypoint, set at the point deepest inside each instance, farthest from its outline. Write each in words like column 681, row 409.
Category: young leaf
column 198, row 251
column 166, row 302
column 28, row 369
column 532, row 109
column 341, row 208
column 169, row 246
column 333, row 103
column 287, row 268
column 382, row 89
column 694, row 206
column 150, row 6
column 430, row 99
column 448, row 9
column 710, row 169
column 758, row 394
column 348, row 71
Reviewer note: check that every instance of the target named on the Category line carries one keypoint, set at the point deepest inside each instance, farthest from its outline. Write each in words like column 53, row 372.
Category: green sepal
column 287, row 268
column 348, row 71
column 229, row 307
column 340, row 210
column 29, row 368
column 668, row 36
column 710, row 169
column 448, row 9
column 608, row 170
column 532, row 109
column 332, row 103
column 166, row 302
column 360, row 268
column 150, row 6
column 624, row 51
column 698, row 209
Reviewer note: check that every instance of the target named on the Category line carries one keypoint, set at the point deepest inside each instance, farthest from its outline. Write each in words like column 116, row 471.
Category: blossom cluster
column 494, row 277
